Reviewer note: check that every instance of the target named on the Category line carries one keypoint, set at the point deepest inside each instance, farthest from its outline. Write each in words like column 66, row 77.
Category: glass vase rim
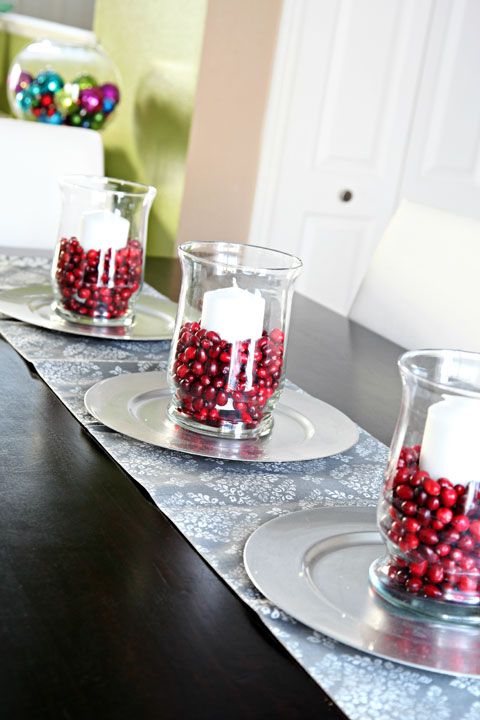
column 187, row 249
column 88, row 182
column 408, row 369
column 87, row 41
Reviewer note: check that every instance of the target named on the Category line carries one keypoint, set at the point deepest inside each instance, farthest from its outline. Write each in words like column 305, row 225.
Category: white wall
column 78, row 13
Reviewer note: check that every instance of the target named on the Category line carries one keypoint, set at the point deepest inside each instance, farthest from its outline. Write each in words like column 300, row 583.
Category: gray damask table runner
column 217, row 504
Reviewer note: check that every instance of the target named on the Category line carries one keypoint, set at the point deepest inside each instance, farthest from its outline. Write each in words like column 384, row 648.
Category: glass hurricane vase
column 227, row 363
column 99, row 260
column 429, row 511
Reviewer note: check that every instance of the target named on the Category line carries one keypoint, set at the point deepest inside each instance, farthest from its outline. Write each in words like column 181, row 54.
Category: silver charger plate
column 304, row 428
column 33, row 304
column 313, row 564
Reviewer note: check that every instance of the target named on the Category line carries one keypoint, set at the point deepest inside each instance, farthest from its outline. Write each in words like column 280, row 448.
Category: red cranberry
column 431, row 487
column 433, row 503
column 435, row 574
column 404, row 492
column 424, row 516
column 277, row 336
column 448, row 497
column 456, row 555
column 421, row 497
column 412, row 525
column 467, row 563
column 467, row 584
column 428, row 536
column 444, row 515
column 197, row 368
column 450, row 536
column 475, row 529
column 182, row 371
column 402, row 476
column 211, row 367
column 442, row 549
column 210, row 394
column 466, row 542
column 432, row 591
column 408, row 508
column 418, row 568
column 460, row 523
column 413, row 584
column 409, row 542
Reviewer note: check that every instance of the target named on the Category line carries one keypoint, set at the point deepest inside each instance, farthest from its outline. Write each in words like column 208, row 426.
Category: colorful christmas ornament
column 85, row 81
column 54, row 82
column 49, row 99
column 24, row 100
column 111, row 92
column 64, row 102
column 23, row 81
column 91, row 99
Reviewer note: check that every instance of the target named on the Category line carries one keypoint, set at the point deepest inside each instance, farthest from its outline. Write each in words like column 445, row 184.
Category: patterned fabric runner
column 217, row 504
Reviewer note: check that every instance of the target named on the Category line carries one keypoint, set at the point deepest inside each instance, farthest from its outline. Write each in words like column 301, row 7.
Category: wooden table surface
column 106, row 611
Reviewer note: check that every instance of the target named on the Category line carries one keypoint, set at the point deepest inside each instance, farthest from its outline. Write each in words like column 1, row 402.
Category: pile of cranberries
column 434, row 528
column 219, row 382
column 98, row 284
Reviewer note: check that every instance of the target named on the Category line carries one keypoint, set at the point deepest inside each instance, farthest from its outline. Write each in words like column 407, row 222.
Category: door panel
column 344, row 88
column 443, row 161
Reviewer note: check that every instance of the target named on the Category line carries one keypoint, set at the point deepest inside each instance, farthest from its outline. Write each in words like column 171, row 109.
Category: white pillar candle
column 103, row 229
column 233, row 313
column 451, row 440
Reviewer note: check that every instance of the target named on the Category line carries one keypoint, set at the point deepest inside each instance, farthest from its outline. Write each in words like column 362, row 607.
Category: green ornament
column 85, row 81
column 76, row 119
column 99, row 117
column 64, row 102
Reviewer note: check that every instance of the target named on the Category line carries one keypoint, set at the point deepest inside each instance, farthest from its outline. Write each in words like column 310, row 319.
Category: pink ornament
column 111, row 92
column 24, row 80
column 91, row 99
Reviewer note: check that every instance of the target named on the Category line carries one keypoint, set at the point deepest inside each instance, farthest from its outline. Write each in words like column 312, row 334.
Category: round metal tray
column 33, row 304
column 314, row 565
column 304, row 428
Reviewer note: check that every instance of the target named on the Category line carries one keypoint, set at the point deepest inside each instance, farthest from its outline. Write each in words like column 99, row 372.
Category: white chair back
column 33, row 157
column 422, row 289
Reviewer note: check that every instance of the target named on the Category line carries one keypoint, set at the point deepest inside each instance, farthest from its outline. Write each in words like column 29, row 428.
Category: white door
column 443, row 160
column 343, row 91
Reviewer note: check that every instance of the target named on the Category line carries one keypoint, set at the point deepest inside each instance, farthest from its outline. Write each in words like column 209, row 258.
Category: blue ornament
column 108, row 105
column 34, row 89
column 41, row 78
column 55, row 119
column 54, row 82
column 23, row 100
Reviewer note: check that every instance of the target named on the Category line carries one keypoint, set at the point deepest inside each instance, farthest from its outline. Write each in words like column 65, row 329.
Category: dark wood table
column 106, row 611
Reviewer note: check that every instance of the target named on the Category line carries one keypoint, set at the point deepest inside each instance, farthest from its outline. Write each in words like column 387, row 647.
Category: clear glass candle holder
column 99, row 260
column 227, row 363
column 429, row 511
